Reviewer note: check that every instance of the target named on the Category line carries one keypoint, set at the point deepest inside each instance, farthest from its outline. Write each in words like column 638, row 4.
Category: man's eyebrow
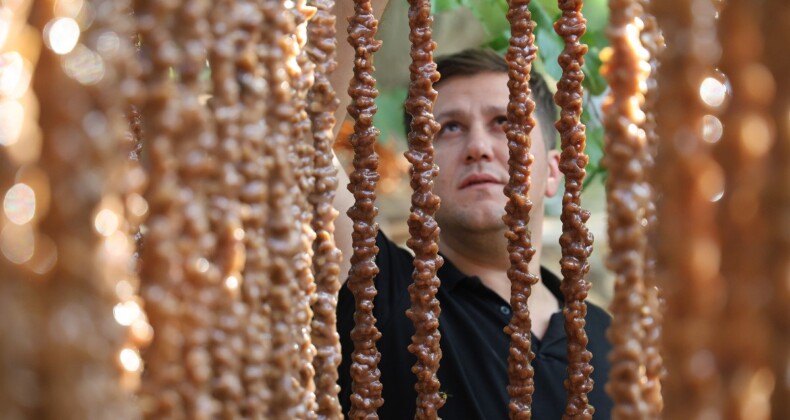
column 457, row 113
column 495, row 110
column 451, row 114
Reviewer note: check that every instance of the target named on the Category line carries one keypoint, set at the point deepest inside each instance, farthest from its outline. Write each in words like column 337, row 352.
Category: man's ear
column 554, row 176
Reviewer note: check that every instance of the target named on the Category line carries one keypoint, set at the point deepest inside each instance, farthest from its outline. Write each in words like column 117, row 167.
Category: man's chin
column 476, row 222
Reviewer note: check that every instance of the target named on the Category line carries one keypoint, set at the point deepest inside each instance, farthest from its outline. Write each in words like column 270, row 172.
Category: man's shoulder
column 597, row 322
column 598, row 313
column 395, row 263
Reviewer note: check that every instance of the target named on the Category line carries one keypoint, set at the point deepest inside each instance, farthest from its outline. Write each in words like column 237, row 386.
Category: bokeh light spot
column 45, row 255
column 712, row 129
column 6, row 15
column 202, row 265
column 232, row 282
column 62, row 34
column 17, row 243
column 106, row 222
column 14, row 75
column 130, row 360
column 84, row 66
column 108, row 43
column 756, row 135
column 124, row 290
column 713, row 92
column 12, row 114
column 142, row 331
column 126, row 313
column 19, row 204
column 137, row 205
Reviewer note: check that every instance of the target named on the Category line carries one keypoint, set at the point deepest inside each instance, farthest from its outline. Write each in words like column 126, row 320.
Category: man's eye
column 450, row 127
column 501, row 121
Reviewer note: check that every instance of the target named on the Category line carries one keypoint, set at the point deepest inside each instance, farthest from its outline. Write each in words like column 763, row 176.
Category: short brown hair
column 474, row 61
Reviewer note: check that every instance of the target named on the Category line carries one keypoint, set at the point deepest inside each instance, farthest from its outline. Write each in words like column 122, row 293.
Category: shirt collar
column 451, row 277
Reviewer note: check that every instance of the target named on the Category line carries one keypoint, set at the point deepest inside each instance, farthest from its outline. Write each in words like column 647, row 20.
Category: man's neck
column 487, row 258
column 477, row 254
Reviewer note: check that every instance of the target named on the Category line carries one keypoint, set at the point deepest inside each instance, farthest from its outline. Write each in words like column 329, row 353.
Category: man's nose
column 479, row 145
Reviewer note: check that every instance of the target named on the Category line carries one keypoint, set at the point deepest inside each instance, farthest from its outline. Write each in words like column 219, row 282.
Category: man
column 471, row 152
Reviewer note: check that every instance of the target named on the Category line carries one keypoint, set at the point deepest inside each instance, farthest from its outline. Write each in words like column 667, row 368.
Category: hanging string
column 285, row 378
column 520, row 55
column 227, row 344
column 65, row 232
column 777, row 197
column 424, row 231
column 576, row 239
column 252, row 170
column 627, row 200
column 301, row 150
column 687, row 180
column 178, row 270
column 653, row 42
column 366, row 388
column 326, row 260
column 743, row 222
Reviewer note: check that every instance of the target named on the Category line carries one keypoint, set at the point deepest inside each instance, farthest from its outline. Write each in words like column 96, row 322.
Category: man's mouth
column 479, row 180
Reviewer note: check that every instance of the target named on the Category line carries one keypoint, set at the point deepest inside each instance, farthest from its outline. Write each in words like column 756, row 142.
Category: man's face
column 471, row 152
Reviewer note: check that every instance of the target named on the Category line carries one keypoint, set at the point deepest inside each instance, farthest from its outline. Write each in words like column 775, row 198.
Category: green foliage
column 389, row 116
column 439, row 6
column 492, row 16
column 550, row 45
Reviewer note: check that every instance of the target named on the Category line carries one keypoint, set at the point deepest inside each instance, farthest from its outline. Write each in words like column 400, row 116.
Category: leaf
column 500, row 43
column 597, row 14
column 591, row 117
column 550, row 6
column 539, row 67
column 389, row 117
column 549, row 43
column 492, row 14
column 544, row 18
column 593, row 79
column 549, row 48
column 439, row 6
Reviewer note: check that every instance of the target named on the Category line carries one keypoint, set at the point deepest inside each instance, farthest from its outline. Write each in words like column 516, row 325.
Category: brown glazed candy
column 228, row 341
column 688, row 247
column 302, row 78
column 424, row 240
column 520, row 55
column 576, row 239
column 252, row 172
column 321, row 107
column 60, row 262
column 301, row 148
column 179, row 274
column 365, row 385
column 653, row 42
column 628, row 195
column 285, row 371
column 777, row 198
column 744, row 222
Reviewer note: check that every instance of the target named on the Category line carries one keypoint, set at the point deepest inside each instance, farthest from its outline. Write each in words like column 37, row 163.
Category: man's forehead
column 487, row 92
column 458, row 110
column 474, row 83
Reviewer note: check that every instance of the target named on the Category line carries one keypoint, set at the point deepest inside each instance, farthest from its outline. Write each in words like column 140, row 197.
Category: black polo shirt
column 473, row 369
